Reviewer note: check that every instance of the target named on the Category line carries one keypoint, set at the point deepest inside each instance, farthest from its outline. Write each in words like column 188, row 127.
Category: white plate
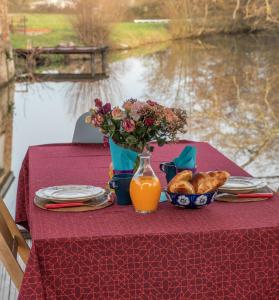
column 66, row 193
column 236, row 182
column 240, row 183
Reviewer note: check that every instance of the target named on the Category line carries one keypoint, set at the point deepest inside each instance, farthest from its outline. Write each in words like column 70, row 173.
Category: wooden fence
column 18, row 24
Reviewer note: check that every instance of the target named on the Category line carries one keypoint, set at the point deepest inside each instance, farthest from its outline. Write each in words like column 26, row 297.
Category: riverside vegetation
column 60, row 30
column 110, row 24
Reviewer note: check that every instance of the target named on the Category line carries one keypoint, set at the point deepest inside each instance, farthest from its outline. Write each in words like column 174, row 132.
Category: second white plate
column 241, row 183
column 66, row 193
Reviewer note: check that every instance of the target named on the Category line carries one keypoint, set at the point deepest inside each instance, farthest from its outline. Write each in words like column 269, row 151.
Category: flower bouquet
column 136, row 123
column 133, row 127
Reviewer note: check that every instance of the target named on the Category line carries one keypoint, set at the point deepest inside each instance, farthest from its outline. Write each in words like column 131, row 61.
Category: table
column 223, row 251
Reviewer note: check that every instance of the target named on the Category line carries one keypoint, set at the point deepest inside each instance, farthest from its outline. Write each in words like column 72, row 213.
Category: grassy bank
column 53, row 29
column 59, row 27
column 133, row 35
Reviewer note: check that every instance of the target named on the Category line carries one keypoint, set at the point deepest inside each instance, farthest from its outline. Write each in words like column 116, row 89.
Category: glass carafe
column 145, row 187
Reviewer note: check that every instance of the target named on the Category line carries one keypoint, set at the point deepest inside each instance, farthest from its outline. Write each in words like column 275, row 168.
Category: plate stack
column 244, row 189
column 71, row 197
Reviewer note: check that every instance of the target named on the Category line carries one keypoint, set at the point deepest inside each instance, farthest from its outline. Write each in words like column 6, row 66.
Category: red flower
column 98, row 103
column 106, row 141
column 128, row 125
column 148, row 121
column 151, row 103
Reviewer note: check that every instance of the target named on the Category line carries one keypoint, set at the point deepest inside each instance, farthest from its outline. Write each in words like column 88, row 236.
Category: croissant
column 180, row 183
column 209, row 182
column 182, row 187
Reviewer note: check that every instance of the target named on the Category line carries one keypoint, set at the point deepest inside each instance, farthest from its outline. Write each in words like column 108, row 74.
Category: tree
column 4, row 28
column 93, row 19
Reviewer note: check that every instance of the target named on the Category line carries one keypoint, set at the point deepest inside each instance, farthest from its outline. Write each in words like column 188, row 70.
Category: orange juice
column 145, row 193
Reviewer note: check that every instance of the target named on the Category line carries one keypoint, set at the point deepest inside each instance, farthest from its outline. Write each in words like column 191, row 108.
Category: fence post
column 24, row 25
column 12, row 25
column 93, row 66
column 104, row 61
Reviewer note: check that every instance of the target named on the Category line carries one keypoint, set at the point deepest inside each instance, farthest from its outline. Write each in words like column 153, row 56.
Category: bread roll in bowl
column 209, row 182
column 201, row 183
column 180, row 183
column 183, row 187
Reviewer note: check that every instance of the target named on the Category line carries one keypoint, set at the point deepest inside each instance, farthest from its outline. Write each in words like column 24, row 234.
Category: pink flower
column 137, row 106
column 98, row 120
column 170, row 115
column 106, row 108
column 128, row 104
column 149, row 122
column 128, row 125
column 135, row 115
column 135, row 112
column 98, row 103
column 117, row 113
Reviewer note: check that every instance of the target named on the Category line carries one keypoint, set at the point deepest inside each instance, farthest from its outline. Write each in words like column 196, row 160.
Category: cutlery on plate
column 71, row 204
column 254, row 195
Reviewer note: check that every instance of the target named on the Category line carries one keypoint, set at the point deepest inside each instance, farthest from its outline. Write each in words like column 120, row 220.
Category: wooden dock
column 60, row 77
column 32, row 55
column 62, row 50
column 7, row 289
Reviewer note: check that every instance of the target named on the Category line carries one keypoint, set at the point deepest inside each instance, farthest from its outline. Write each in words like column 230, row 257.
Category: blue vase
column 123, row 160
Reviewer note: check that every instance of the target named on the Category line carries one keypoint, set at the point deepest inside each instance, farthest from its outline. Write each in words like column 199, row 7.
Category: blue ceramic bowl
column 191, row 201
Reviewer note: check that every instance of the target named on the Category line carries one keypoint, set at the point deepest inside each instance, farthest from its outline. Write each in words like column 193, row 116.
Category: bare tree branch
column 236, row 9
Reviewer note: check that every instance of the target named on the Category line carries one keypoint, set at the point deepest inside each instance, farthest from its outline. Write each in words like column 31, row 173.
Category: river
column 227, row 84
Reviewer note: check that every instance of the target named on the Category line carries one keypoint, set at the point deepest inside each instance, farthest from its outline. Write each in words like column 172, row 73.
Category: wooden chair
column 11, row 244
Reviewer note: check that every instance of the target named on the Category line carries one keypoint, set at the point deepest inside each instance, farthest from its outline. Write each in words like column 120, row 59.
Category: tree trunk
column 4, row 20
column 268, row 10
column 6, row 55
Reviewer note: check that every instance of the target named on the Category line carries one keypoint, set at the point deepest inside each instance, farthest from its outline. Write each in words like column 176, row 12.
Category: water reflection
column 81, row 94
column 227, row 84
column 229, row 87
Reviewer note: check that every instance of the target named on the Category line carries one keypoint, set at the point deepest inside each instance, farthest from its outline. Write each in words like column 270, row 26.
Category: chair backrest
column 86, row 133
column 11, row 244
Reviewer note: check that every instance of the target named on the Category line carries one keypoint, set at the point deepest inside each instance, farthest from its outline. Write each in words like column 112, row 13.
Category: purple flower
column 106, row 108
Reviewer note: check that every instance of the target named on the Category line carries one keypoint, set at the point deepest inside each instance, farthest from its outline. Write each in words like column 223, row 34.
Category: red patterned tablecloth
column 224, row 251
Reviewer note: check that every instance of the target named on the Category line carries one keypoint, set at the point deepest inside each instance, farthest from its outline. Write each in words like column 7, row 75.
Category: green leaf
column 131, row 140
column 161, row 142
column 111, row 127
column 150, row 148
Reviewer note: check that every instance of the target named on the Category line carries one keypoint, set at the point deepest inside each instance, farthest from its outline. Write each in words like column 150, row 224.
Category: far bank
column 49, row 30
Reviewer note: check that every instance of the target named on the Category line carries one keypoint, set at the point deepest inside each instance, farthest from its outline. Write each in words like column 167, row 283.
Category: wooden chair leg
column 23, row 249
column 10, row 263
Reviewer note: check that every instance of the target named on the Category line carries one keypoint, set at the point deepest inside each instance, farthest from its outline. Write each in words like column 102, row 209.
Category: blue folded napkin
column 163, row 197
column 122, row 159
column 187, row 158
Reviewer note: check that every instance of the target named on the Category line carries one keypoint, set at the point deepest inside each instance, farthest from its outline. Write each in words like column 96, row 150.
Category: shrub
column 92, row 19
